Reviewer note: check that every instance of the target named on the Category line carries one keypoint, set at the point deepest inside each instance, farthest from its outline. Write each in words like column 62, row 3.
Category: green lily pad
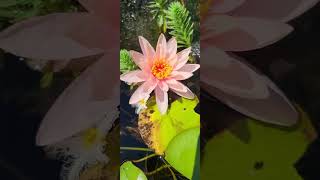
column 128, row 171
column 270, row 153
column 158, row 130
column 181, row 152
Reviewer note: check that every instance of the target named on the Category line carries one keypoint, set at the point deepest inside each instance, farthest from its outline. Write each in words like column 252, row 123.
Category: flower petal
column 147, row 49
column 180, row 75
column 104, row 9
column 223, row 6
column 182, row 58
column 108, row 68
column 77, row 108
column 162, row 100
column 231, row 76
column 188, row 94
column 138, row 58
column 95, row 33
column 176, row 85
column 171, row 47
column 133, row 76
column 161, row 47
column 163, row 86
column 284, row 10
column 242, row 34
column 189, row 68
column 143, row 91
column 275, row 108
column 45, row 38
column 172, row 51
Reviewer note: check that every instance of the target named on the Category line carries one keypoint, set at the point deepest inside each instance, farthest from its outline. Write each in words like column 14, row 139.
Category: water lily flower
column 82, row 150
column 160, row 70
column 234, row 26
column 141, row 105
column 65, row 38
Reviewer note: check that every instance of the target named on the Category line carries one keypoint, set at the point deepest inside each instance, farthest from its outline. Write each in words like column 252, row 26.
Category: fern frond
column 126, row 62
column 180, row 23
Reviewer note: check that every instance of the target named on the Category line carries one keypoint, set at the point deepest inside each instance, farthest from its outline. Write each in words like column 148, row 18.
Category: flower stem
column 144, row 158
column 171, row 171
column 135, row 149
column 157, row 170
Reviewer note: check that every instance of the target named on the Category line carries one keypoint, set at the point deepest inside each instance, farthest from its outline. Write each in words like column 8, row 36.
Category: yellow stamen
column 161, row 69
column 142, row 102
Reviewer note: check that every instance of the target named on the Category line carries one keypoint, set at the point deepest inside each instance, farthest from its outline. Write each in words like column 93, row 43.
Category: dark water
column 21, row 113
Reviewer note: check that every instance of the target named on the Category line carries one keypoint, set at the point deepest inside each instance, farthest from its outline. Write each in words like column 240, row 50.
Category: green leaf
column 270, row 153
column 46, row 79
column 180, row 24
column 8, row 3
column 7, row 13
column 129, row 171
column 126, row 62
column 158, row 130
column 182, row 151
column 17, row 10
column 157, row 10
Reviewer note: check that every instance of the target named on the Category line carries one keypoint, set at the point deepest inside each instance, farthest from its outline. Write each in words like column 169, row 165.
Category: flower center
column 161, row 69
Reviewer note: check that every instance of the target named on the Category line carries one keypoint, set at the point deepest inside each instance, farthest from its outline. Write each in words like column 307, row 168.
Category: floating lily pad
column 129, row 171
column 270, row 153
column 158, row 130
column 181, row 152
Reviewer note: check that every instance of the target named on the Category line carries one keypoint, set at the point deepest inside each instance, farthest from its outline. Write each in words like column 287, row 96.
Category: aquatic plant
column 126, row 62
column 157, row 9
column 226, row 76
column 263, row 155
column 17, row 10
column 180, row 24
column 160, row 71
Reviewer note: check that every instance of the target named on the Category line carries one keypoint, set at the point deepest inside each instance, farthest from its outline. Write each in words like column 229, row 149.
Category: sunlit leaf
column 270, row 153
column 129, row 171
column 181, row 152
column 158, row 130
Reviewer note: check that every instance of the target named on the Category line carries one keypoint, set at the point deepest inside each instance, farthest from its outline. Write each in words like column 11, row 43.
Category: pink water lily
column 160, row 70
column 242, row 25
column 69, row 38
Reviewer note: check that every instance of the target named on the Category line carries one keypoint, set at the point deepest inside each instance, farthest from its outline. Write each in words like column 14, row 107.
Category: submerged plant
column 160, row 71
column 180, row 24
column 17, row 10
column 157, row 9
column 126, row 62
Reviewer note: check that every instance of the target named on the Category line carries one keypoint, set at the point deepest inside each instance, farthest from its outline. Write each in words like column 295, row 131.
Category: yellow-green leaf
column 129, row 171
column 270, row 152
column 158, row 130
column 182, row 151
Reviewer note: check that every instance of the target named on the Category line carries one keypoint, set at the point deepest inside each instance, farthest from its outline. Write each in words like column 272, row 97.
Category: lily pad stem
column 157, row 170
column 135, row 149
column 144, row 158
